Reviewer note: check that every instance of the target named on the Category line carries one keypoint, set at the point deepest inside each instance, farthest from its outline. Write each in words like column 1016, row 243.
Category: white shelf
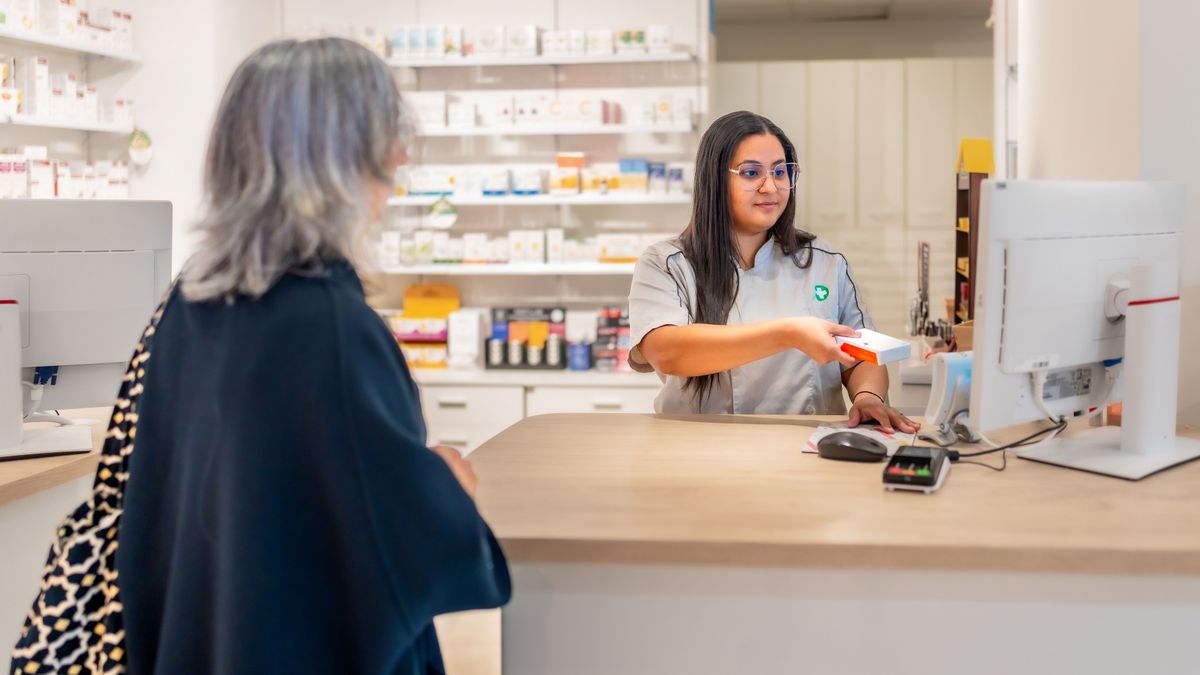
column 516, row 269
column 546, row 200
column 561, row 130
column 535, row 378
column 565, row 60
column 61, row 44
column 70, row 125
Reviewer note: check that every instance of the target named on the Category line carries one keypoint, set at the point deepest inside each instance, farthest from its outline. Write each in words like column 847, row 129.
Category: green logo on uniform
column 821, row 292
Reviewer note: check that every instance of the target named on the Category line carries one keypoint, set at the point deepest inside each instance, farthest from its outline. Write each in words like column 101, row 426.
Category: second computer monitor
column 1048, row 252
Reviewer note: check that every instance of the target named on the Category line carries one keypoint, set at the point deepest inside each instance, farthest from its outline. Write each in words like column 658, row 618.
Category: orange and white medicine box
column 875, row 347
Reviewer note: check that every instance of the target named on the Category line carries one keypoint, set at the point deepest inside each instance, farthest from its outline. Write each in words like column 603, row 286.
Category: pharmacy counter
column 644, row 544
column 35, row 495
column 25, row 477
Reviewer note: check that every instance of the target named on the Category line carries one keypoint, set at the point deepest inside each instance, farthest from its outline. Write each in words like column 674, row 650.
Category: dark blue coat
column 283, row 514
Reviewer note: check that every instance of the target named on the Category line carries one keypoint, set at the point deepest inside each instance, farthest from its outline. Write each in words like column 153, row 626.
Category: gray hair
column 303, row 130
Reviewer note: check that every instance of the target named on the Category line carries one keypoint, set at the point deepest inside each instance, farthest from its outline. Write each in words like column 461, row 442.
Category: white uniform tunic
column 664, row 294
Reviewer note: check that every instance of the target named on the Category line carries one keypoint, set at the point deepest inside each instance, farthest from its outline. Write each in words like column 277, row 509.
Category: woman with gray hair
column 283, row 514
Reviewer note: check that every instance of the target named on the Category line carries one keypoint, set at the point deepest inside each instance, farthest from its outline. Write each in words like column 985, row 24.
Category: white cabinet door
column 547, row 400
column 930, row 141
column 831, row 140
column 876, row 249
column 973, row 94
column 736, row 88
column 784, row 100
column 877, row 270
column 881, row 144
column 465, row 417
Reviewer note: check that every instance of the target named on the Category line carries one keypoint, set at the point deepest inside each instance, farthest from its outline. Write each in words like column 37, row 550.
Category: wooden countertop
column 738, row 490
column 23, row 477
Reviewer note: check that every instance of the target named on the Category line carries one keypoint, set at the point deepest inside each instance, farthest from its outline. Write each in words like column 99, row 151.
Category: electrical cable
column 1112, row 370
column 1024, row 442
column 1003, row 463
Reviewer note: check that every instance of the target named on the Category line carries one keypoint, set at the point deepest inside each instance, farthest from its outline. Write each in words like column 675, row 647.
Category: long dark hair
column 708, row 242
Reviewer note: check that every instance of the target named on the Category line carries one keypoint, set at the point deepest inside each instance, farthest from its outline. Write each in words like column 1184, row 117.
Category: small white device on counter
column 874, row 347
column 949, row 399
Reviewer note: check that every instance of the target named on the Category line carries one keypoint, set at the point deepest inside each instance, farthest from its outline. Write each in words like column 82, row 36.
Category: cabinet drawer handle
column 606, row 404
column 452, row 402
column 453, row 441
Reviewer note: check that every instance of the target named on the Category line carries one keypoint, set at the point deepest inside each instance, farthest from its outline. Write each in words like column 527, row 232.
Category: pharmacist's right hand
column 815, row 337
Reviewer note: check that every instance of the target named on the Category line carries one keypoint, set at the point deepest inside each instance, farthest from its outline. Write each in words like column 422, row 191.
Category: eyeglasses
column 752, row 176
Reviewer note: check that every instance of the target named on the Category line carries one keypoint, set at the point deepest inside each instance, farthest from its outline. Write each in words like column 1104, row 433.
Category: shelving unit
column 561, row 130
column 85, row 59
column 563, row 60
column 546, row 200
column 651, row 136
column 534, row 378
column 975, row 164
column 67, row 125
column 68, row 45
column 513, row 269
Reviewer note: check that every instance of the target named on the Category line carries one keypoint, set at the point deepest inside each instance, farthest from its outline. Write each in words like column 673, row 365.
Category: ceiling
column 754, row 11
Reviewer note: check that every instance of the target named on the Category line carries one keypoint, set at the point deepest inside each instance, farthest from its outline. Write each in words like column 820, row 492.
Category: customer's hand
column 868, row 407
column 459, row 466
column 814, row 337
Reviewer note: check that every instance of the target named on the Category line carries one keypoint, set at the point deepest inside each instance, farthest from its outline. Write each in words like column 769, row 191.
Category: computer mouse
column 851, row 447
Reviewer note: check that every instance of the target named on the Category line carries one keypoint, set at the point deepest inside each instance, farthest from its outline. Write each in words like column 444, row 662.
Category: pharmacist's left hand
column 869, row 408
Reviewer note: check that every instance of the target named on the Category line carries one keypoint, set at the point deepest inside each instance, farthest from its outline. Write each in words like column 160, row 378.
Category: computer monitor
column 1071, row 277
column 86, row 276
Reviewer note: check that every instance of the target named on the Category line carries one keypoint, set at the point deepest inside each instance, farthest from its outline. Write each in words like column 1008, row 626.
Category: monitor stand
column 46, row 442
column 1146, row 441
column 1099, row 450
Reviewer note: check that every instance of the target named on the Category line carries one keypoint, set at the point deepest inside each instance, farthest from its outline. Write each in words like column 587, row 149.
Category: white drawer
column 465, row 417
column 545, row 400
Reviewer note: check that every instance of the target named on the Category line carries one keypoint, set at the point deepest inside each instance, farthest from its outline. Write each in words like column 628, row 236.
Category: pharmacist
column 739, row 313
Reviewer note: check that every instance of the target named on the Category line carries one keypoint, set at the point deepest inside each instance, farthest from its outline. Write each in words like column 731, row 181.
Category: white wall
column 1170, row 135
column 174, row 96
column 189, row 50
column 1078, row 107
column 1111, row 94
column 807, row 41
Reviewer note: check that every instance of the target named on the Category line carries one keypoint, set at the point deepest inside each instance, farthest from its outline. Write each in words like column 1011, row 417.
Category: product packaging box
column 488, row 41
column 658, row 39
column 496, row 112
column 577, row 41
column 460, row 114
column 31, row 74
column 522, row 41
column 556, row 43
column 10, row 101
column 435, row 41
column 565, row 180
column 58, row 17
column 600, row 42
column 631, row 41
column 555, row 241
